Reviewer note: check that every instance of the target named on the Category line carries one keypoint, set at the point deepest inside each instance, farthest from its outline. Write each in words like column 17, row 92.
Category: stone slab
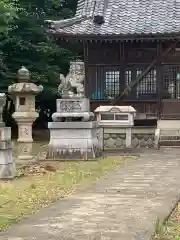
column 104, row 212
column 72, row 125
column 116, row 109
column 168, row 124
column 85, row 116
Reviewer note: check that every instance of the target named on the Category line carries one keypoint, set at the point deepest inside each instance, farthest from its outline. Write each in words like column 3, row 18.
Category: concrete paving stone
column 124, row 205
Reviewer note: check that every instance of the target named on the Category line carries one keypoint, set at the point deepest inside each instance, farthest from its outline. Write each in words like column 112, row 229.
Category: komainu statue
column 73, row 84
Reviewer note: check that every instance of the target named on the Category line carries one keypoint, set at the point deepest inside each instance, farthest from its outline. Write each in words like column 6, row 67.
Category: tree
column 27, row 44
column 8, row 13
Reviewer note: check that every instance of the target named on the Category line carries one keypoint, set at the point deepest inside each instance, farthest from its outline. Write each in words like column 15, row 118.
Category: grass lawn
column 40, row 185
column 171, row 230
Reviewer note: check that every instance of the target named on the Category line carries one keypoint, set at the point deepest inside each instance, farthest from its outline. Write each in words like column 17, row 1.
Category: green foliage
column 8, row 13
column 27, row 43
column 160, row 228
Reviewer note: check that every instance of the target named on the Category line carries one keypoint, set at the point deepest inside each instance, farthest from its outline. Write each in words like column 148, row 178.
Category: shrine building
column 131, row 53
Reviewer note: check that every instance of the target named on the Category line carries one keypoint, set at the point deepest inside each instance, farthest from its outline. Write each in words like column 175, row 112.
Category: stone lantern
column 23, row 94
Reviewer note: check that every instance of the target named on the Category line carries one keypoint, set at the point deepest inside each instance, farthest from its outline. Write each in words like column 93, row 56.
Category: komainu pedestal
column 73, row 134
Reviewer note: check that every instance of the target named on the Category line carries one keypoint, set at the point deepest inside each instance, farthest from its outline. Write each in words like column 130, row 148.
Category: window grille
column 128, row 77
column 104, row 83
column 112, row 84
column 171, row 82
column 148, row 84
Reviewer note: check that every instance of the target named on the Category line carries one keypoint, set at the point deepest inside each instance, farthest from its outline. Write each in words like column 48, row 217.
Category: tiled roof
column 122, row 17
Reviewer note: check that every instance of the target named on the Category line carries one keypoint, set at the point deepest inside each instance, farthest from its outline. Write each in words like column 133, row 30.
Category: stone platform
column 73, row 140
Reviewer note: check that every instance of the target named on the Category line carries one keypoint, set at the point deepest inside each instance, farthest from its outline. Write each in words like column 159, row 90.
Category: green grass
column 39, row 186
column 171, row 230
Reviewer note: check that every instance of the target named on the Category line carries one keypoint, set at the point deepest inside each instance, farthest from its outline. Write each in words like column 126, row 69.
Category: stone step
column 170, row 132
column 169, row 137
column 169, row 143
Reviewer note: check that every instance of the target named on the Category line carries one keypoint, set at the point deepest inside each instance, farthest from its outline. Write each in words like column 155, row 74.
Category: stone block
column 5, row 133
column 5, row 145
column 6, row 156
column 7, row 171
column 7, row 164
column 25, row 152
column 72, row 125
column 100, row 134
column 73, row 140
column 111, row 143
column 135, row 142
column 142, row 143
column 106, row 136
column 150, row 143
column 120, row 143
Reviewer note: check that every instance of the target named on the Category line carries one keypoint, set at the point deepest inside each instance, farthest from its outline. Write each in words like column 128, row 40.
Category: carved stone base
column 73, row 108
column 24, row 121
column 25, row 152
column 73, row 140
column 7, row 171
column 73, row 154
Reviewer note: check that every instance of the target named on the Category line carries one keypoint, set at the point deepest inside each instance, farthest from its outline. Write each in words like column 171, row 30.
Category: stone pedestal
column 25, row 152
column 111, row 119
column 25, row 121
column 73, row 140
column 25, row 139
column 7, row 164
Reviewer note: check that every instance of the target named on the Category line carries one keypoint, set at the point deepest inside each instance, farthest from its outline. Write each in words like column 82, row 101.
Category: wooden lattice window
column 112, row 79
column 171, row 82
column 128, row 77
column 146, row 87
column 103, row 83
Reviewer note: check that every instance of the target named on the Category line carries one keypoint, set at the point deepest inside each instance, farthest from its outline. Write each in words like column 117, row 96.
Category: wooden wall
column 111, row 66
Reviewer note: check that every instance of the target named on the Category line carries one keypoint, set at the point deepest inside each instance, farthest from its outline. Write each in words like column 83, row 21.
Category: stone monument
column 23, row 94
column 7, row 164
column 73, row 132
column 116, row 121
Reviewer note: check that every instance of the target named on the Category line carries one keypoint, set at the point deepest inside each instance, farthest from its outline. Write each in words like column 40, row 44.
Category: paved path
column 123, row 206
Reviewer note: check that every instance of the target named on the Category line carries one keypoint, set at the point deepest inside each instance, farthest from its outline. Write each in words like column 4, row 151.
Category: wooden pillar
column 122, row 68
column 159, row 79
column 86, row 82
